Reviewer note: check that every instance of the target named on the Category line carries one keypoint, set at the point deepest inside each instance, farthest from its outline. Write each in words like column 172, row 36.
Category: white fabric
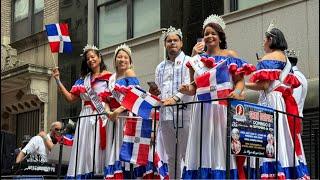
column 114, row 139
column 36, row 150
column 168, row 77
column 285, row 143
column 167, row 144
column 86, row 144
column 213, row 138
column 300, row 92
column 275, row 100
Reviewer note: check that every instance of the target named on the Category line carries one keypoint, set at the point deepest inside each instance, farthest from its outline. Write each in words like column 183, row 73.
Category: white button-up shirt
column 300, row 92
column 169, row 76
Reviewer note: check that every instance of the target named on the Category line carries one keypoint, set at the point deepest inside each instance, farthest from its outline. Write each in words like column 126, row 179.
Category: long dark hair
column 84, row 65
column 278, row 41
column 221, row 34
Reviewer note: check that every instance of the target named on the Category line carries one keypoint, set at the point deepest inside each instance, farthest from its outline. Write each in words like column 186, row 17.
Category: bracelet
column 238, row 91
column 176, row 98
column 58, row 82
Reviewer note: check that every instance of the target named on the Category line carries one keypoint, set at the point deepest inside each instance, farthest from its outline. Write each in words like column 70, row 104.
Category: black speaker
column 8, row 145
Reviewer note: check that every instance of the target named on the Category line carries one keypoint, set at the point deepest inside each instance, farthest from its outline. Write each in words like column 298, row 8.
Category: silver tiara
column 172, row 30
column 214, row 19
column 123, row 47
column 292, row 53
column 271, row 26
column 89, row 47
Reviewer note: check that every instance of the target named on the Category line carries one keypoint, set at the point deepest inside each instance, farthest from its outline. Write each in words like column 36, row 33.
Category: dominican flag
column 211, row 85
column 138, row 101
column 156, row 169
column 58, row 37
column 136, row 141
column 68, row 140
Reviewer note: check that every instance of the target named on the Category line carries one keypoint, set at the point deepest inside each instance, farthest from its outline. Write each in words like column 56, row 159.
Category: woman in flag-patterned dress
column 93, row 69
column 278, row 95
column 124, row 76
column 226, row 82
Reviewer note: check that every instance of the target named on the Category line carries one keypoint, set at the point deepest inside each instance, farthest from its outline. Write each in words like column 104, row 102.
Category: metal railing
column 311, row 139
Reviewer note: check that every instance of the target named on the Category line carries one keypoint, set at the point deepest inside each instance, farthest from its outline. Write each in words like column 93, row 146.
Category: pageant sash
column 112, row 83
column 283, row 74
column 197, row 65
column 95, row 100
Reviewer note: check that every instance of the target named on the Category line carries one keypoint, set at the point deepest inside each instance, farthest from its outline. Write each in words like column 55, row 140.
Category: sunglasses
column 57, row 129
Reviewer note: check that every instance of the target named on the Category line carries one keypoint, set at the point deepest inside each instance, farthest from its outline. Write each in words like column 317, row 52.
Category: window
column 112, row 23
column 27, row 18
column 146, row 16
column 243, row 4
column 119, row 20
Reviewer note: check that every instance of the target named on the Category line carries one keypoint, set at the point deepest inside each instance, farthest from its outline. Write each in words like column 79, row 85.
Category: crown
column 292, row 53
column 89, row 47
column 123, row 47
column 214, row 19
column 271, row 26
column 172, row 30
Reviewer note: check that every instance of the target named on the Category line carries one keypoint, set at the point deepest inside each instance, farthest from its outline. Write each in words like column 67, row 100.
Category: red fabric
column 151, row 176
column 54, row 46
column 188, row 65
column 240, row 162
column 246, row 69
column 208, row 62
column 102, row 129
column 116, row 176
column 274, row 75
column 280, row 176
column 64, row 29
column 294, row 123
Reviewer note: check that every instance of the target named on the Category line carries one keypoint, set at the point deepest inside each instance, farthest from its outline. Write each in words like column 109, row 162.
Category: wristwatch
column 176, row 98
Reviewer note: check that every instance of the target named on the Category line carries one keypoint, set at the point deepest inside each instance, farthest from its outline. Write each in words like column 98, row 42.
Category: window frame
column 130, row 17
column 129, row 4
column 30, row 19
column 234, row 5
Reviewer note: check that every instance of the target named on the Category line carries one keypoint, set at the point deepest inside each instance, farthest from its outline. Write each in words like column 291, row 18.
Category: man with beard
column 39, row 146
column 169, row 75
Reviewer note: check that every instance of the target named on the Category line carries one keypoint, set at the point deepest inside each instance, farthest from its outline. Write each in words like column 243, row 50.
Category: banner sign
column 252, row 130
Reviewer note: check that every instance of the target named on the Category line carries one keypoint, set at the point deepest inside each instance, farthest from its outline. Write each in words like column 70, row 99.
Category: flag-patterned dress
column 114, row 168
column 85, row 129
column 214, row 119
column 280, row 98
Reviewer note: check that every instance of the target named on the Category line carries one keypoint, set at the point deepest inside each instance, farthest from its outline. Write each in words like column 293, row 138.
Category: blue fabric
column 127, row 81
column 223, row 74
column 51, row 29
column 290, row 172
column 110, row 170
column 207, row 173
column 126, row 151
column 270, row 64
column 81, row 176
column 79, row 82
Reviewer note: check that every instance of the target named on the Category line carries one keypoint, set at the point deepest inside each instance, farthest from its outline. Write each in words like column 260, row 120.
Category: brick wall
column 51, row 11
column 5, row 21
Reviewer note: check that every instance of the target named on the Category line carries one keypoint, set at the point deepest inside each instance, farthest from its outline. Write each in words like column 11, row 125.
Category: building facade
column 30, row 101
column 29, row 97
